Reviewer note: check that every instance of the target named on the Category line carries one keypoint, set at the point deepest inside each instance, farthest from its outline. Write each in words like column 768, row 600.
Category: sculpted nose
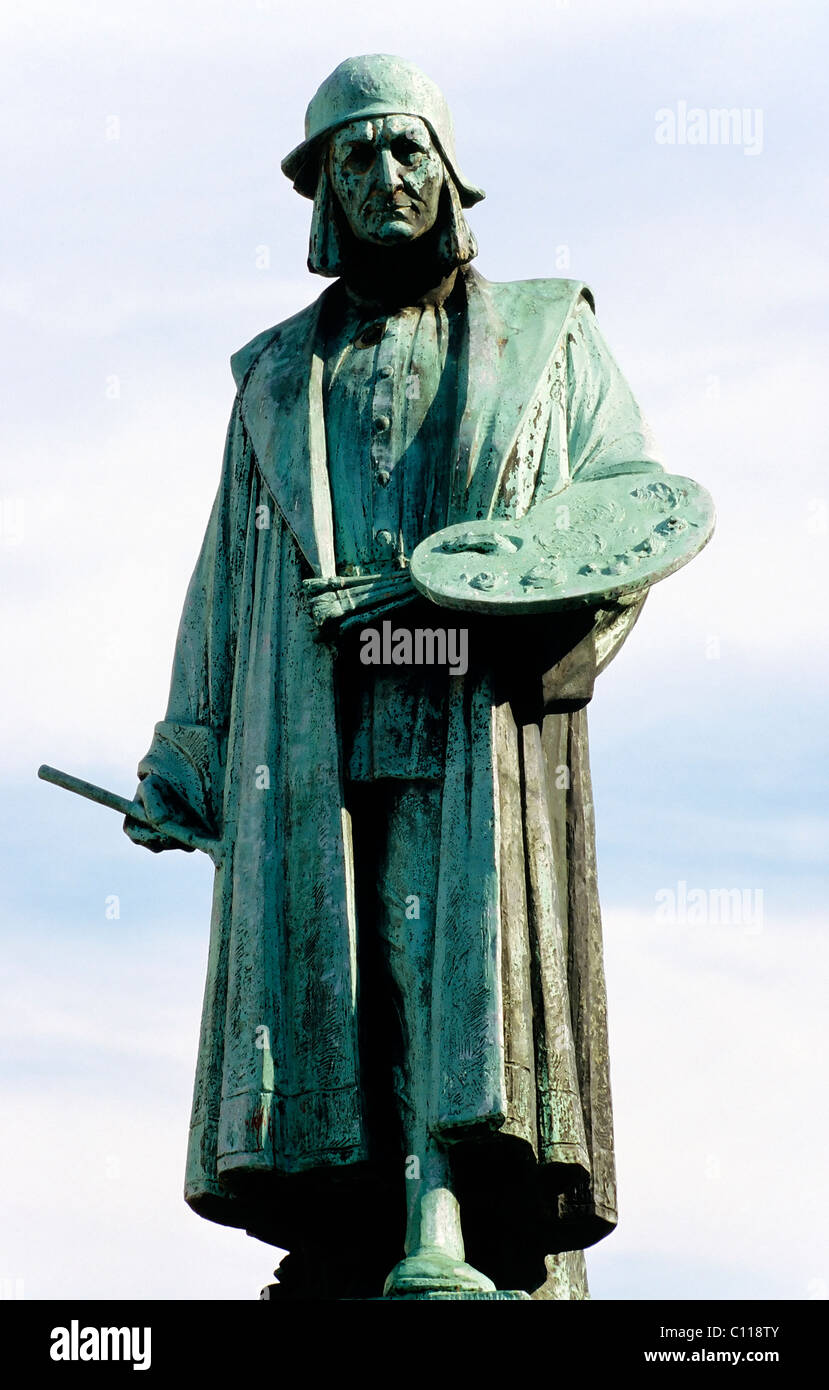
column 388, row 170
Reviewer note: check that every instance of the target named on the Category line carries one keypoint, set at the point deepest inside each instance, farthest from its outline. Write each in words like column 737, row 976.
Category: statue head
column 379, row 161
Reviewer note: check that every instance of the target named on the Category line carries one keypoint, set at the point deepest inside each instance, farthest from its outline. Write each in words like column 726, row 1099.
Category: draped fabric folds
column 251, row 743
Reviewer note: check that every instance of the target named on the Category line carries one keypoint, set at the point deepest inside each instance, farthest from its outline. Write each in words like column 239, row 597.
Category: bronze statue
column 439, row 513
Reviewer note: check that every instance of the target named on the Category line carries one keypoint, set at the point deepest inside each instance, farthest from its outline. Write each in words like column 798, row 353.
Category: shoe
column 431, row 1270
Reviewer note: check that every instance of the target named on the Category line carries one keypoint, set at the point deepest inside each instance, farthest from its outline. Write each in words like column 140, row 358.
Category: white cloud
column 99, row 1033
column 716, row 1109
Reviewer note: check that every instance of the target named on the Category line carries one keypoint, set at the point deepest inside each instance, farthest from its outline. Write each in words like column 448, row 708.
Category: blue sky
column 142, row 154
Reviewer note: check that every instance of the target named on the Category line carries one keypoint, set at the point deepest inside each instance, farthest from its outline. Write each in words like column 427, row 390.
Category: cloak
column 251, row 744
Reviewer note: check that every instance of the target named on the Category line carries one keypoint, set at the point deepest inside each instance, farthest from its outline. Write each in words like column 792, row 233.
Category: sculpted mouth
column 397, row 203
column 394, row 213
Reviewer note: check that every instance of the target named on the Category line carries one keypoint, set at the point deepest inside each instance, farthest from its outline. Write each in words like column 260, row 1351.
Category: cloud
column 711, row 1032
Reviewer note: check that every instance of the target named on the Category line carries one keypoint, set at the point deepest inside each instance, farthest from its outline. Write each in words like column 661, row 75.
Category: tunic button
column 383, row 477
column 381, row 423
column 385, row 371
column 384, row 537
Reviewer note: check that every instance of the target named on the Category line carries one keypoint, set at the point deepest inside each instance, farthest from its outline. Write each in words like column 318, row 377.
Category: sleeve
column 607, row 434
column 187, row 750
column 606, row 431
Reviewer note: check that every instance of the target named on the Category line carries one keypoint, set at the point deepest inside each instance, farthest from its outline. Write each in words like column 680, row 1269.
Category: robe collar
column 512, row 331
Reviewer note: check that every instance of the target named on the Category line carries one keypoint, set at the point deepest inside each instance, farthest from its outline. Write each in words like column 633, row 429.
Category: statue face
column 387, row 175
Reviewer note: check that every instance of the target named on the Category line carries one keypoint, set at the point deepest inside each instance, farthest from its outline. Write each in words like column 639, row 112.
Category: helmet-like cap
column 377, row 84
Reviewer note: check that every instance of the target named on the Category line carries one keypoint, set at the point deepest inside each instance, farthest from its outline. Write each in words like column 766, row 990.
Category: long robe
column 520, row 1083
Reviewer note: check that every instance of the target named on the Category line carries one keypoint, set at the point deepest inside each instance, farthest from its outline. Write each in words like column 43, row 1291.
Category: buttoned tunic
column 390, row 402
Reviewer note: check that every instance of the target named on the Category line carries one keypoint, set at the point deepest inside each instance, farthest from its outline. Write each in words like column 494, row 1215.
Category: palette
column 594, row 541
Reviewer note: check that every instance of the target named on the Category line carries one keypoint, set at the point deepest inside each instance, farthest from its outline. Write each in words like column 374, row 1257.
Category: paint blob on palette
column 593, row 542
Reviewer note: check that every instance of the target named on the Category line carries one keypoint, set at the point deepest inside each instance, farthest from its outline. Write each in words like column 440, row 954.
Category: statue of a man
column 403, row 1069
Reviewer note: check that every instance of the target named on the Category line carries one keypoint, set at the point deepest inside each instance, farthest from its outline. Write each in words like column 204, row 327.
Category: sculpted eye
column 407, row 151
column 358, row 156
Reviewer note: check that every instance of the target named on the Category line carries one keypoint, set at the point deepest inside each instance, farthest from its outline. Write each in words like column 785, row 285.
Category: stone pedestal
column 457, row 1294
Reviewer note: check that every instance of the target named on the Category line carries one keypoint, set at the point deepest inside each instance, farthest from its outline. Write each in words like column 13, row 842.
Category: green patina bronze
column 593, row 543
column 403, row 1068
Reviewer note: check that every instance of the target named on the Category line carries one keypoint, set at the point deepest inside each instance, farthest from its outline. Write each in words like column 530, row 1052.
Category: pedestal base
column 566, row 1280
column 454, row 1294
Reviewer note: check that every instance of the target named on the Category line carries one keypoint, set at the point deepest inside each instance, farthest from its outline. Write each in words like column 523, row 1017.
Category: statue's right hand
column 161, row 806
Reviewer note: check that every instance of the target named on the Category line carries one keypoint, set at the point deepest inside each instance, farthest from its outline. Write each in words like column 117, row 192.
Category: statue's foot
column 430, row 1269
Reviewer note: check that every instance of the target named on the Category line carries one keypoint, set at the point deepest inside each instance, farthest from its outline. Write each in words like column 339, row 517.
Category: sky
column 150, row 233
